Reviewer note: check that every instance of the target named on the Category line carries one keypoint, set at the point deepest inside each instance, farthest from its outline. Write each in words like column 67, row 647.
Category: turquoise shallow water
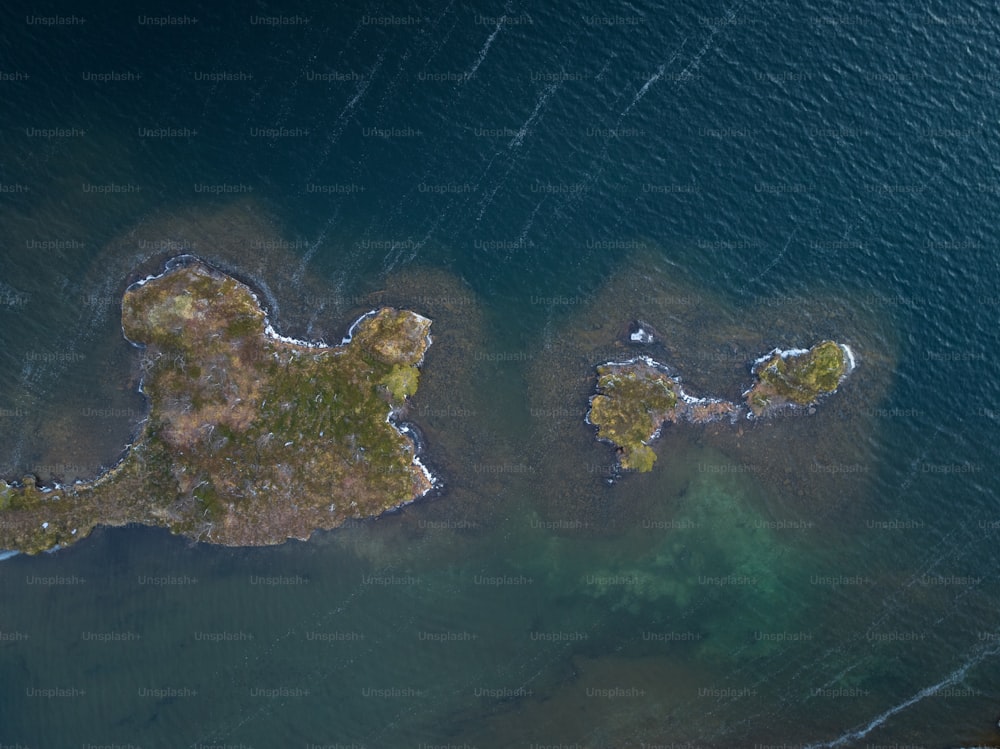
column 756, row 153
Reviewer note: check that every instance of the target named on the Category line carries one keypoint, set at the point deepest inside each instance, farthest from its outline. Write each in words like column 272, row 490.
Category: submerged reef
column 252, row 438
column 635, row 398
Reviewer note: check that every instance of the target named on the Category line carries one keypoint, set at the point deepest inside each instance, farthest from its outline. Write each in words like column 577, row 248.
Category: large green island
column 252, row 438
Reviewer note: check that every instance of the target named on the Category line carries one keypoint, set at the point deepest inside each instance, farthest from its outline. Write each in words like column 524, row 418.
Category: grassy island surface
column 251, row 438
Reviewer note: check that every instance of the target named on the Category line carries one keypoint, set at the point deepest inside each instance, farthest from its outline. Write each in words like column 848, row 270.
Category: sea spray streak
column 486, row 48
column 878, row 720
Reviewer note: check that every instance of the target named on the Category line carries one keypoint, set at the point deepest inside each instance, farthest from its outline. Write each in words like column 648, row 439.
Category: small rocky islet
column 252, row 438
column 798, row 377
column 635, row 398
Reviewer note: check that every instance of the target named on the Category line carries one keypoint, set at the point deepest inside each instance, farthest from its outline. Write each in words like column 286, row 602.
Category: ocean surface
column 533, row 177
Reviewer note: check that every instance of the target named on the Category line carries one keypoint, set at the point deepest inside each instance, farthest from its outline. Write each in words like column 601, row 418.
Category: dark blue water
column 751, row 154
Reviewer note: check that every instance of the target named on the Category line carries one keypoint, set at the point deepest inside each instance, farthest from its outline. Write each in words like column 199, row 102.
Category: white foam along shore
column 783, row 353
column 409, row 433
column 852, row 361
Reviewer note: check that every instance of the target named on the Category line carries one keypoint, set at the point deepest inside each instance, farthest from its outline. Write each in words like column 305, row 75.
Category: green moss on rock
column 402, row 381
